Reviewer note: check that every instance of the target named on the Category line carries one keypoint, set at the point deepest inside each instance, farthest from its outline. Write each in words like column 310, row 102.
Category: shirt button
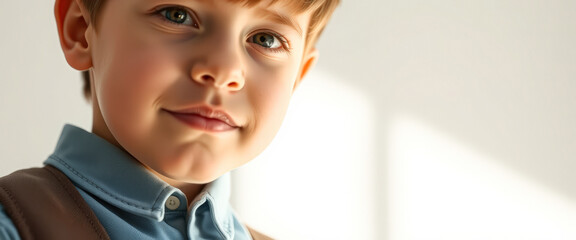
column 173, row 203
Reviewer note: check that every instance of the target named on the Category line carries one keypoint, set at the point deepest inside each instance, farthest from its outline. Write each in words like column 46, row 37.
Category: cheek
column 132, row 75
column 272, row 105
column 269, row 96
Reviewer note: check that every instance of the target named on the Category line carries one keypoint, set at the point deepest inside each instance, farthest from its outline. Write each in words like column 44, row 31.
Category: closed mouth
column 205, row 118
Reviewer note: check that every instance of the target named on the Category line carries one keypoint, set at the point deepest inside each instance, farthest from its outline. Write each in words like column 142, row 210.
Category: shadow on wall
column 485, row 90
column 446, row 189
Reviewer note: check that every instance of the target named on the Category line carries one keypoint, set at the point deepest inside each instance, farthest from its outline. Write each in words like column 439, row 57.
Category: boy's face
column 190, row 88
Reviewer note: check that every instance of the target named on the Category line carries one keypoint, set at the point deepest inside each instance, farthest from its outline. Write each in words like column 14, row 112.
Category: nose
column 221, row 67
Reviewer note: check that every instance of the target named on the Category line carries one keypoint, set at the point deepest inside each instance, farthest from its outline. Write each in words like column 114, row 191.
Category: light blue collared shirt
column 131, row 202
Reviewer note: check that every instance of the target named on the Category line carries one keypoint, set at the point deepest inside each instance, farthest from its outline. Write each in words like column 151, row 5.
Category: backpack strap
column 44, row 204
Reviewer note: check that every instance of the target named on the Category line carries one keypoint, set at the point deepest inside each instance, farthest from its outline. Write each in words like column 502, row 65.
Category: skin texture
column 144, row 65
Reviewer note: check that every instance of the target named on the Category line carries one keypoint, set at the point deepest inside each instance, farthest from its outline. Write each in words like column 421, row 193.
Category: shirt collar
column 111, row 174
column 216, row 194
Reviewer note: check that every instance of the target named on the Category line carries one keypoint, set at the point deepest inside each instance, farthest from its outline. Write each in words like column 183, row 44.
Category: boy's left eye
column 267, row 40
column 179, row 16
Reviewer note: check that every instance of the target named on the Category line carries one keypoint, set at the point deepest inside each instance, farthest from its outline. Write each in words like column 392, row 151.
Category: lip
column 205, row 118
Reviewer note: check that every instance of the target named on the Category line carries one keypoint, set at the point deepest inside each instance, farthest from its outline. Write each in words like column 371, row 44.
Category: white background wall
column 424, row 119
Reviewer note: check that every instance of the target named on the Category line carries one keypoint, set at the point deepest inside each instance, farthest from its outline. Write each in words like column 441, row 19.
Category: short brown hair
column 321, row 12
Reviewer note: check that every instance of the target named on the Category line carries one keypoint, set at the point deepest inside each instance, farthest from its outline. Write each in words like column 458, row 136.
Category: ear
column 308, row 61
column 73, row 23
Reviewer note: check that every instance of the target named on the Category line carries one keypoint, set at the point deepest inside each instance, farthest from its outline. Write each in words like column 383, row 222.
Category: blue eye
column 178, row 16
column 266, row 40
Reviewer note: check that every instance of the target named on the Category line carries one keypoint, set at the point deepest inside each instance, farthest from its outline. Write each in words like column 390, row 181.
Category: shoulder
column 7, row 229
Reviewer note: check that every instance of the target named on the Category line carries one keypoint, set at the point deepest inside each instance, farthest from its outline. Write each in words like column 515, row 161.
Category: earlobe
column 73, row 24
column 308, row 61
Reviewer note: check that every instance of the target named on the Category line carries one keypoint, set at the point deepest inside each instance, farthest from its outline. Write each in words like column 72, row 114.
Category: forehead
column 291, row 6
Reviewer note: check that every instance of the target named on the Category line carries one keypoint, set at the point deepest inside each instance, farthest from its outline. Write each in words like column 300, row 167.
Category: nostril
column 233, row 85
column 207, row 78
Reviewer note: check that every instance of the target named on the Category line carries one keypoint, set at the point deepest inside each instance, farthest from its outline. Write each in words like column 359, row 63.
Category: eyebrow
column 279, row 18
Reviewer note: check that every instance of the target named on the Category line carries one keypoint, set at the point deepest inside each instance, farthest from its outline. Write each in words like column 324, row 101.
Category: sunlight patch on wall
column 440, row 188
column 316, row 179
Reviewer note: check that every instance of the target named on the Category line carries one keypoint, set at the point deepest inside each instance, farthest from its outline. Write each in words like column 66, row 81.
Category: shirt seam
column 67, row 166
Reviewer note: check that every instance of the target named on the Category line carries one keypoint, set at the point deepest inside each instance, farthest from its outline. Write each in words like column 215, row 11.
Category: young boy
column 183, row 91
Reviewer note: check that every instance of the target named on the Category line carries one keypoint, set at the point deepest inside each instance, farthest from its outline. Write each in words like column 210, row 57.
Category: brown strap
column 44, row 204
column 256, row 235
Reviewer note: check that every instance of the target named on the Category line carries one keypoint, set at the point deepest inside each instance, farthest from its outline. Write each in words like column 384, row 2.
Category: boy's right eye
column 178, row 15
